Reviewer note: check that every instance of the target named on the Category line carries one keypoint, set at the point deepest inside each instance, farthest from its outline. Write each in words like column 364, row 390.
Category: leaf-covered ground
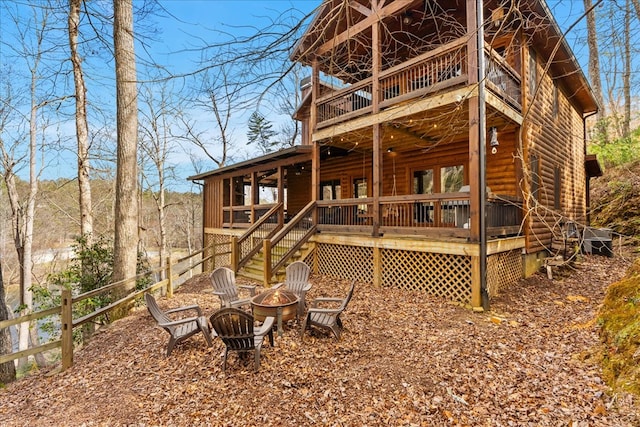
column 406, row 359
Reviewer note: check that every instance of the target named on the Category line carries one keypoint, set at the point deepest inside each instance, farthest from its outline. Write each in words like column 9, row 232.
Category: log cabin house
column 443, row 148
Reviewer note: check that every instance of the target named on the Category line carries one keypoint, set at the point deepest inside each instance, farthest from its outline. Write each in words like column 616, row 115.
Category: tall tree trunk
column 82, row 128
column 626, row 74
column 126, row 209
column 7, row 369
column 594, row 67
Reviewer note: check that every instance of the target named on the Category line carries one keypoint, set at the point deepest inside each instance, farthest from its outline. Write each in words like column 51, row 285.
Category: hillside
column 615, row 200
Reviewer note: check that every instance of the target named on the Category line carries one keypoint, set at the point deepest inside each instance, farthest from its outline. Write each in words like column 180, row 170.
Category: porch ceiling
column 420, row 131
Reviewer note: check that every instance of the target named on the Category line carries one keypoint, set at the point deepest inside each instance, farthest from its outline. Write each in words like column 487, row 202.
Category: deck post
column 66, row 318
column 266, row 250
column 169, row 278
column 377, row 267
column 377, row 134
column 234, row 253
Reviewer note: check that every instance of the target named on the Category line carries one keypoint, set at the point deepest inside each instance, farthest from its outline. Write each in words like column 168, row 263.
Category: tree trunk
column 626, row 74
column 126, row 209
column 594, row 67
column 82, row 128
column 7, row 369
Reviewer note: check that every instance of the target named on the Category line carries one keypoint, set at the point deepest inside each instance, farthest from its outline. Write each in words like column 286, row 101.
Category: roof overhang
column 592, row 166
column 293, row 155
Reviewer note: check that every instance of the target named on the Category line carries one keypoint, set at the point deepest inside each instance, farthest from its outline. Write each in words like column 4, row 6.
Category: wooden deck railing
column 435, row 215
column 244, row 216
column 65, row 310
column 287, row 241
column 440, row 68
column 502, row 79
column 250, row 243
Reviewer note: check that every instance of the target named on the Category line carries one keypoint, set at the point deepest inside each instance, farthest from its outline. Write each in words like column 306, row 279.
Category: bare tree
column 82, row 128
column 157, row 119
column 7, row 369
column 126, row 209
column 594, row 66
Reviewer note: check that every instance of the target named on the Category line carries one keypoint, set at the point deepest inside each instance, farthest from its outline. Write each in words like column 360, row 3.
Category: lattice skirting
column 347, row 262
column 443, row 275
column 222, row 250
column 503, row 269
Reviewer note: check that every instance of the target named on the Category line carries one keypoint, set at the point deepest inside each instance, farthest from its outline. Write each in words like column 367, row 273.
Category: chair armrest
column 185, row 308
column 219, row 293
column 307, row 287
column 266, row 326
column 278, row 285
column 324, row 310
column 179, row 322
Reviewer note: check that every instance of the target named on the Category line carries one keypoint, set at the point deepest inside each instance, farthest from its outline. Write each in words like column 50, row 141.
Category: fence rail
column 65, row 309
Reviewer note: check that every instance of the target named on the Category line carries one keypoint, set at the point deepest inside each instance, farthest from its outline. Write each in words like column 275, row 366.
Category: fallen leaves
column 405, row 359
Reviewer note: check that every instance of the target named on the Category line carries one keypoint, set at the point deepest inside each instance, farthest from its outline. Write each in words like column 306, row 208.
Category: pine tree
column 260, row 132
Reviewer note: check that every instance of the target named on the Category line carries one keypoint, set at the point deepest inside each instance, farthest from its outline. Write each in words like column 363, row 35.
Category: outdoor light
column 407, row 19
column 494, row 140
column 390, row 150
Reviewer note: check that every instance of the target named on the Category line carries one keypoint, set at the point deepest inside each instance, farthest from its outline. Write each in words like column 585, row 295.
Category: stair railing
column 250, row 242
column 288, row 240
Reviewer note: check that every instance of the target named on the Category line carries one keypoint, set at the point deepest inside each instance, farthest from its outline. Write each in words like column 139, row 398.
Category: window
column 423, row 182
column 330, row 190
column 360, row 188
column 556, row 102
column 557, row 187
column 451, row 178
column 360, row 191
column 533, row 71
column 534, row 165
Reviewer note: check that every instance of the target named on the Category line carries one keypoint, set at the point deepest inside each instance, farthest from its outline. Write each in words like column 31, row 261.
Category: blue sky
column 196, row 22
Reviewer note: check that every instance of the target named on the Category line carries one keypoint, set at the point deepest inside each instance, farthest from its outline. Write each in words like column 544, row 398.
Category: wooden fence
column 65, row 309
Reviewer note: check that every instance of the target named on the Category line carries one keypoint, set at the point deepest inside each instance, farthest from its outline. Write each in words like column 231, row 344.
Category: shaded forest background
column 56, row 223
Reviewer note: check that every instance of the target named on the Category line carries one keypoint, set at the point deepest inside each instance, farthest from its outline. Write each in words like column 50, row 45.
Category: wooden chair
column 224, row 285
column 180, row 329
column 235, row 328
column 327, row 318
column 297, row 281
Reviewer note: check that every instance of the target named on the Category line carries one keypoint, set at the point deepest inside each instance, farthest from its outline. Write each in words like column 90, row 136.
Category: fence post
column 66, row 318
column 234, row 253
column 169, row 278
column 266, row 246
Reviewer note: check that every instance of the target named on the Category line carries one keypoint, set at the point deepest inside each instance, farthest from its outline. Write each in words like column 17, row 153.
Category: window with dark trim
column 556, row 102
column 330, row 190
column 423, row 182
column 533, row 71
column 534, row 166
column 557, row 187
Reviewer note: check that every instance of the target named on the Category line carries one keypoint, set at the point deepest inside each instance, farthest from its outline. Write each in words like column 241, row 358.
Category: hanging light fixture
column 494, row 140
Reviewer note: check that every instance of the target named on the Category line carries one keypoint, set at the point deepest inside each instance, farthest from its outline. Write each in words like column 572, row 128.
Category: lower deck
column 442, row 267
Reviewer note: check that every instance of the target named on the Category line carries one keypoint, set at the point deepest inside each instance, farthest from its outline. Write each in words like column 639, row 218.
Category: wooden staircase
column 263, row 252
column 254, row 269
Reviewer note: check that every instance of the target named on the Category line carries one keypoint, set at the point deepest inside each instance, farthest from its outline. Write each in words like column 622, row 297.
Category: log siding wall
column 557, row 139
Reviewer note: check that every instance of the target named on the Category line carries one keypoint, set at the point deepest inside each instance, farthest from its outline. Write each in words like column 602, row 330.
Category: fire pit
column 278, row 303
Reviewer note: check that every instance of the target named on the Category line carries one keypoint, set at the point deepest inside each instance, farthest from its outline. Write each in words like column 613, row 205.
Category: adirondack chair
column 224, row 285
column 327, row 318
column 235, row 328
column 297, row 281
column 181, row 329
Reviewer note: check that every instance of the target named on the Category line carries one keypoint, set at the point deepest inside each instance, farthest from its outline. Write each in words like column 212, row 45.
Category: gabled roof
column 339, row 36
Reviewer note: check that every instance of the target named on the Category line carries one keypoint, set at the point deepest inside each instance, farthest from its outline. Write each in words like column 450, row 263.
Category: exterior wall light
column 494, row 140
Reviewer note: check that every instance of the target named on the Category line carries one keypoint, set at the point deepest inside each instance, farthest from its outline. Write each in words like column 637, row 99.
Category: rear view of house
column 443, row 148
